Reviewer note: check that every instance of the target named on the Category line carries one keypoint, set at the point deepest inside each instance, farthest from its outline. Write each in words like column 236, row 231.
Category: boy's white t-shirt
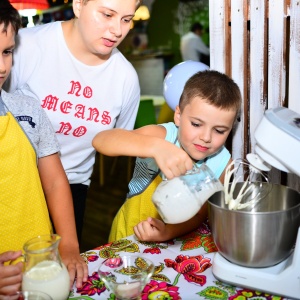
column 80, row 100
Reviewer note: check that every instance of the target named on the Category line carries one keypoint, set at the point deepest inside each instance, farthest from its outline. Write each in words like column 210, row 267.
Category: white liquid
column 176, row 203
column 128, row 290
column 48, row 277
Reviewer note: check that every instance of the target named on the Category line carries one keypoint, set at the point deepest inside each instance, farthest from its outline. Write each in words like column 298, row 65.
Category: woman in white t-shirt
column 84, row 84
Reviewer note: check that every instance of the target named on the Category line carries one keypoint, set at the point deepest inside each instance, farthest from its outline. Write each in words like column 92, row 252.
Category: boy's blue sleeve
column 218, row 162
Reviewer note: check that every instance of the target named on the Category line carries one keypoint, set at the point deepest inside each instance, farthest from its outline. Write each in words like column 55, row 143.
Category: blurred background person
column 192, row 46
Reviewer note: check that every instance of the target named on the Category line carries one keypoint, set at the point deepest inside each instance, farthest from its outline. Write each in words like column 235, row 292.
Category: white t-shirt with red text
column 80, row 100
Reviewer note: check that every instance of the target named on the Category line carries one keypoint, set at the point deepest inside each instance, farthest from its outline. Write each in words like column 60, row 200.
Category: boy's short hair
column 213, row 87
column 9, row 15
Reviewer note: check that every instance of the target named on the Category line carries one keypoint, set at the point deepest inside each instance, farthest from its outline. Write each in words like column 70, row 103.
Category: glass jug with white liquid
column 44, row 270
column 179, row 199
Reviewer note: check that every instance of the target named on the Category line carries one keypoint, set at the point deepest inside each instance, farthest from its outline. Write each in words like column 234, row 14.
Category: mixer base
column 282, row 279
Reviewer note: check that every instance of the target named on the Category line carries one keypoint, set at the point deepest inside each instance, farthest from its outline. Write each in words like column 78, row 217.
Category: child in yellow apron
column 24, row 213
column 26, row 175
column 206, row 113
column 139, row 207
column 146, row 177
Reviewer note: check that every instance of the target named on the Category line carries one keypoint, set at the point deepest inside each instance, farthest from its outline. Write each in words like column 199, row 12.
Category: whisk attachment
column 252, row 189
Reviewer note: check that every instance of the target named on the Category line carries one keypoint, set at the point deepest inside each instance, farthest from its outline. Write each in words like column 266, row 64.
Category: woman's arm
column 59, row 200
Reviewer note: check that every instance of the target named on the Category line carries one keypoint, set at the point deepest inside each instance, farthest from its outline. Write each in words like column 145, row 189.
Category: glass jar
column 44, row 270
column 179, row 199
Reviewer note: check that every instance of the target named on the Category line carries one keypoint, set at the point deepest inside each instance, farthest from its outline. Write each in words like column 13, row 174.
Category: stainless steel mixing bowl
column 256, row 237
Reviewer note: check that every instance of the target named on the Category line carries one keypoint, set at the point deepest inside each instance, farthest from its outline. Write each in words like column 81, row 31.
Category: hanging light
column 142, row 13
column 29, row 4
column 28, row 8
column 29, row 14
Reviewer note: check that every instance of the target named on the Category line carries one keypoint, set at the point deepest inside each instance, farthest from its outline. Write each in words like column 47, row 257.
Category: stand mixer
column 278, row 145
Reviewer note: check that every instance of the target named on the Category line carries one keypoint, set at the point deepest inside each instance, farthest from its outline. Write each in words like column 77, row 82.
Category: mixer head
column 277, row 139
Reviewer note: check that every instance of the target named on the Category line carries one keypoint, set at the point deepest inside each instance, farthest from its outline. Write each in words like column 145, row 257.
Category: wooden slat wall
column 294, row 55
column 257, row 43
column 294, row 67
column 239, row 70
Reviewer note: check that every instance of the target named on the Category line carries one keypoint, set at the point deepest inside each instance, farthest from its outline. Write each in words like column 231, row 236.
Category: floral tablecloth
column 182, row 270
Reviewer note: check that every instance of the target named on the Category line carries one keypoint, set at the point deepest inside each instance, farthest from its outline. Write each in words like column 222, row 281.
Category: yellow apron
column 133, row 211
column 23, row 208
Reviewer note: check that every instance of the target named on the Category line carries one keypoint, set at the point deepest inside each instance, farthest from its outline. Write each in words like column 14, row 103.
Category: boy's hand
column 10, row 275
column 171, row 160
column 151, row 230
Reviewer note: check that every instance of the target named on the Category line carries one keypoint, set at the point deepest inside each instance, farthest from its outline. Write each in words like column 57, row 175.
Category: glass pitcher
column 179, row 199
column 44, row 270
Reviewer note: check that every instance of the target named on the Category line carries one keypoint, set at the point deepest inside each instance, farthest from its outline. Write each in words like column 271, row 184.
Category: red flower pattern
column 152, row 250
column 160, row 290
column 92, row 286
column 190, row 267
column 92, row 258
column 113, row 262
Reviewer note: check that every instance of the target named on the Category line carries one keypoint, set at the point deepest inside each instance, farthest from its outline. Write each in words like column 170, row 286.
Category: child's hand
column 75, row 264
column 150, row 230
column 171, row 160
column 10, row 275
